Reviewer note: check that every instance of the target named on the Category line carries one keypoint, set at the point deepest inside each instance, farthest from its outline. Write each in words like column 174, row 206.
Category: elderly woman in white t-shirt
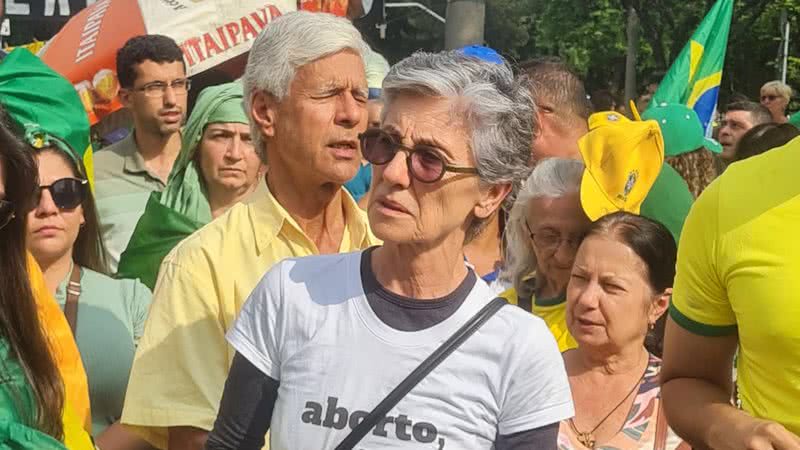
column 322, row 340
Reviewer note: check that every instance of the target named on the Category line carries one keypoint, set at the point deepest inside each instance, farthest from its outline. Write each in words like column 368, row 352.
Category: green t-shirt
column 17, row 409
column 668, row 201
column 111, row 316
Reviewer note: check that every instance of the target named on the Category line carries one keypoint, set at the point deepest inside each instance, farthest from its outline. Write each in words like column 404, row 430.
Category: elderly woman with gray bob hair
column 323, row 340
column 544, row 229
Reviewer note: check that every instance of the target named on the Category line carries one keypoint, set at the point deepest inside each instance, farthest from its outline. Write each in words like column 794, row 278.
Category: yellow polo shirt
column 182, row 361
column 739, row 271
column 554, row 314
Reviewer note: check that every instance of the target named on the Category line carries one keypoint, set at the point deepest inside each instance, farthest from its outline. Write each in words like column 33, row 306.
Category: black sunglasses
column 6, row 212
column 67, row 193
column 425, row 162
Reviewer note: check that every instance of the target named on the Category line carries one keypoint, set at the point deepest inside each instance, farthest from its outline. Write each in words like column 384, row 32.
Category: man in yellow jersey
column 738, row 286
column 305, row 95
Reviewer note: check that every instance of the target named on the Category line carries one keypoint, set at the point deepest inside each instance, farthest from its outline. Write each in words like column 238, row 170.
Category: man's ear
column 491, row 199
column 263, row 112
column 126, row 97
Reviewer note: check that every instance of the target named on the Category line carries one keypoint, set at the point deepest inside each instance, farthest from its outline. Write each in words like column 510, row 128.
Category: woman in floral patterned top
column 620, row 286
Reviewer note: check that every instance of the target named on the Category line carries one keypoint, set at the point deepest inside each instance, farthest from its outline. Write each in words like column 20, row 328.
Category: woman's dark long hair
column 654, row 244
column 19, row 320
column 88, row 250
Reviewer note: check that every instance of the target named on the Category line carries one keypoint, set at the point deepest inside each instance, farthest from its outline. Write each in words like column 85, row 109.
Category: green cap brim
column 712, row 145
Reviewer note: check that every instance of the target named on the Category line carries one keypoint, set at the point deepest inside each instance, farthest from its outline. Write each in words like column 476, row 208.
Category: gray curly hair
column 496, row 106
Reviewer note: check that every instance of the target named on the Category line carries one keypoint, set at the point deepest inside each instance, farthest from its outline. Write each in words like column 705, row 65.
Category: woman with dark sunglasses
column 32, row 392
column 322, row 340
column 106, row 315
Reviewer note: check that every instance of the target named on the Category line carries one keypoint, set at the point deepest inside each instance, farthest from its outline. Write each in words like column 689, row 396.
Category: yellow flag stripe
column 696, row 55
column 88, row 162
column 703, row 85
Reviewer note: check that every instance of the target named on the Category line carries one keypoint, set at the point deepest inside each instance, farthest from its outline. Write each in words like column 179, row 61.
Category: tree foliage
column 591, row 36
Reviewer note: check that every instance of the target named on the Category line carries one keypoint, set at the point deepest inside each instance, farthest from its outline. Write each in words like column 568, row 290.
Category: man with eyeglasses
column 154, row 88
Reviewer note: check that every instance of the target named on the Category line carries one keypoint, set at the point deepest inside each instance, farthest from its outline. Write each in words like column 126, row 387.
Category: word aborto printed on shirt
column 334, row 416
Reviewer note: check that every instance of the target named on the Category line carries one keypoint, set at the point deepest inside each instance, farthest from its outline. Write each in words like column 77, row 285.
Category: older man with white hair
column 306, row 95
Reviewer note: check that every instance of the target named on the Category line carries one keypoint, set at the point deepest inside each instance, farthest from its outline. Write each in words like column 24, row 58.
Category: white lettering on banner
column 17, row 8
column 50, row 6
column 91, row 30
column 199, row 48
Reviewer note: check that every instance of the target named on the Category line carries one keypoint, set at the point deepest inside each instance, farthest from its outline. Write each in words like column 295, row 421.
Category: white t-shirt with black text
column 308, row 325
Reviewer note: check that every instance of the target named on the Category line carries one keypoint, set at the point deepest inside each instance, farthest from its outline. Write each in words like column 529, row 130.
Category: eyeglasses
column 768, row 97
column 6, row 213
column 67, row 193
column 425, row 163
column 549, row 241
column 157, row 89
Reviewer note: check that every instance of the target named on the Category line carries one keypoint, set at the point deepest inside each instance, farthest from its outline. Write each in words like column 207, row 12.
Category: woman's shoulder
column 106, row 289
column 313, row 277
column 523, row 330
column 317, row 269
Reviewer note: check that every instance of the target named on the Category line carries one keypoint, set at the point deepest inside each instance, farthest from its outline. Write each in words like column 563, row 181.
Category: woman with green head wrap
column 217, row 167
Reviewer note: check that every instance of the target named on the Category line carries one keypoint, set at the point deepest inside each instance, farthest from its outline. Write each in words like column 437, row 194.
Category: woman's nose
column 587, row 297
column 396, row 170
column 46, row 206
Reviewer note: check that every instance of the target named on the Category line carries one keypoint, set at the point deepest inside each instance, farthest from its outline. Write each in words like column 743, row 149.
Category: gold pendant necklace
column 587, row 439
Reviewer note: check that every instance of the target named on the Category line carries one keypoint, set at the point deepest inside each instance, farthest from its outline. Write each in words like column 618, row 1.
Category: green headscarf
column 185, row 192
column 182, row 208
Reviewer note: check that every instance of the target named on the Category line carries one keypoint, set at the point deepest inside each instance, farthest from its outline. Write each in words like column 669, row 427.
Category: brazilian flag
column 695, row 76
column 45, row 105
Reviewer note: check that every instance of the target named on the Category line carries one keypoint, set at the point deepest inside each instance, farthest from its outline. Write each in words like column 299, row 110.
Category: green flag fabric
column 668, row 201
column 794, row 119
column 45, row 105
column 695, row 76
column 158, row 231
column 182, row 208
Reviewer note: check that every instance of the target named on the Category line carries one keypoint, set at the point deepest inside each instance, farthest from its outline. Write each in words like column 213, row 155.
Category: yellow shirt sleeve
column 185, row 339
column 62, row 344
column 700, row 302
column 510, row 295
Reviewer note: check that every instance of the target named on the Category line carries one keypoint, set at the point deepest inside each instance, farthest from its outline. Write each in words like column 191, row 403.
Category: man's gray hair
column 496, row 107
column 552, row 178
column 291, row 41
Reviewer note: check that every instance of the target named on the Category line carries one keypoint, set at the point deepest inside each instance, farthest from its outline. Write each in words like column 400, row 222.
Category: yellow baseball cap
column 623, row 159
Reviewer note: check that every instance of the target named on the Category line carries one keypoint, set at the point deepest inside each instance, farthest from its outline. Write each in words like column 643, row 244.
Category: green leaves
column 590, row 35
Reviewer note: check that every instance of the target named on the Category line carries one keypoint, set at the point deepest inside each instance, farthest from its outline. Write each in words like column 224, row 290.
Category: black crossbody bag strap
column 402, row 389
